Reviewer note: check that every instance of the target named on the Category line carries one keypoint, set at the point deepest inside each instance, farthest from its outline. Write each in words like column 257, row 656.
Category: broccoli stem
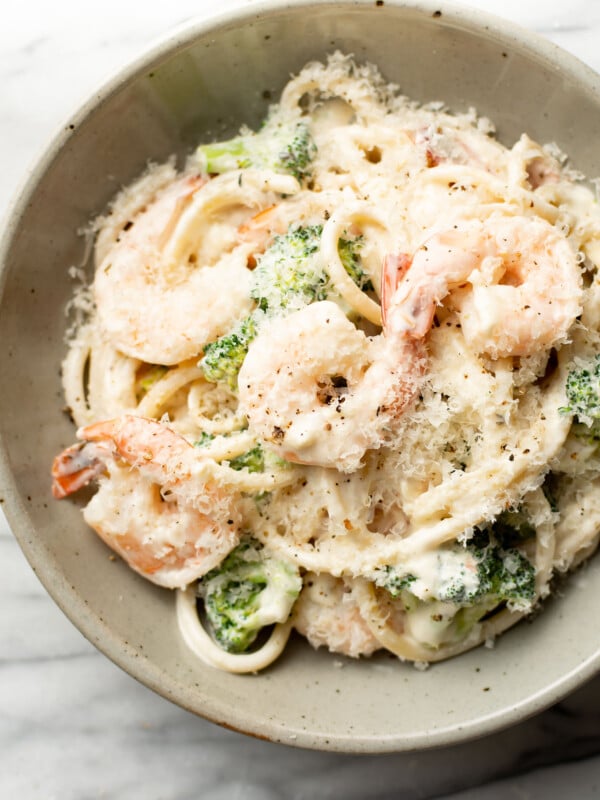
column 286, row 148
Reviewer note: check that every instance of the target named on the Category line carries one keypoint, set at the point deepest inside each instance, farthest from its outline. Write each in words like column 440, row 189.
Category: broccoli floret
column 258, row 460
column 253, row 460
column 583, row 392
column 286, row 279
column 393, row 581
column 204, row 439
column 148, row 377
column 468, row 582
column 288, row 276
column 450, row 574
column 280, row 147
column 224, row 357
column 249, row 590
column 349, row 250
column 505, row 575
column 296, row 156
column 482, row 571
column 446, row 592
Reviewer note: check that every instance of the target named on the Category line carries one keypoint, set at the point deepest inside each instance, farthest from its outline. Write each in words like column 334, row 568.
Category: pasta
column 341, row 376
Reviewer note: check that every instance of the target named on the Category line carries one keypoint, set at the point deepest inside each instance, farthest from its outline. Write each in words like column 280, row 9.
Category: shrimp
column 525, row 284
column 321, row 391
column 75, row 467
column 326, row 613
column 159, row 506
column 160, row 288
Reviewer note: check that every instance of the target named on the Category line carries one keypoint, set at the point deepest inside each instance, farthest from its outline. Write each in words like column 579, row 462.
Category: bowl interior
column 204, row 82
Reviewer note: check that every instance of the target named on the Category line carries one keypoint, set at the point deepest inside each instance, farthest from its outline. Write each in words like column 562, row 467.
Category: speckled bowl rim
column 19, row 520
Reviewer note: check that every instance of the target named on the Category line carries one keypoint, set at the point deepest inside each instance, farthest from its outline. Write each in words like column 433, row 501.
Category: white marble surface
column 72, row 725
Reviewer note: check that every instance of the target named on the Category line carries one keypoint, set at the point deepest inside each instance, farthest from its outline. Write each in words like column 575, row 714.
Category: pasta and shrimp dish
column 342, row 375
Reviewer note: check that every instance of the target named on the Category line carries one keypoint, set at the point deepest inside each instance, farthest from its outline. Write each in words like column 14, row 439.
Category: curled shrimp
column 326, row 613
column 525, row 286
column 159, row 507
column 159, row 289
column 321, row 391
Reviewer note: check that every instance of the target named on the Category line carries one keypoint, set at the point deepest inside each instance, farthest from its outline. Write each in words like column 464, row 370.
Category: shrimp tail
column 395, row 266
column 119, row 435
column 156, row 450
column 98, row 431
column 74, row 468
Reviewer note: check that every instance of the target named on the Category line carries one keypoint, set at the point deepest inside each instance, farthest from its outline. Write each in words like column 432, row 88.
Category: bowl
column 206, row 79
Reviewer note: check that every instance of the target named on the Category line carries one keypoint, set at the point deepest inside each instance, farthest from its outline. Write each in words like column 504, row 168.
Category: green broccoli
column 583, row 392
column 481, row 570
column 281, row 147
column 258, row 460
column 249, row 590
column 349, row 250
column 204, row 440
column 286, row 279
column 289, row 276
column 446, row 592
column 147, row 377
column 253, row 460
column 393, row 581
column 224, row 357
column 505, row 575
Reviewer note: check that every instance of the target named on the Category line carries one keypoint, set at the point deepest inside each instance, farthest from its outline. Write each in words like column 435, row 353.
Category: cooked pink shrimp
column 167, row 517
column 159, row 289
column 321, row 391
column 525, row 286
column 395, row 266
column 327, row 614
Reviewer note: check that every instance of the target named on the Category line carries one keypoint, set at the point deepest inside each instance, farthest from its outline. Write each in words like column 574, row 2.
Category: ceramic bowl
column 205, row 80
